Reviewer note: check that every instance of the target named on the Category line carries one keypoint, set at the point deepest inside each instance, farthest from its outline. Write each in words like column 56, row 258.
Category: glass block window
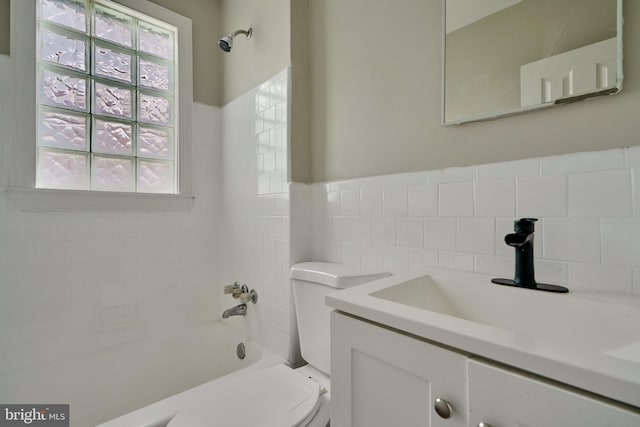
column 106, row 98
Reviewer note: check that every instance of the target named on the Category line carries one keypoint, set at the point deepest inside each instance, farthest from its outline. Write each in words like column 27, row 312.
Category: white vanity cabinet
column 502, row 398
column 381, row 378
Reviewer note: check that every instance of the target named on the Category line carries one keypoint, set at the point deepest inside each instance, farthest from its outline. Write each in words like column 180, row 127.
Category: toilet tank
column 312, row 281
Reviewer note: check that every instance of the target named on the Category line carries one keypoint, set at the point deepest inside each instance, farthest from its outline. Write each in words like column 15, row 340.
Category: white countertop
column 587, row 340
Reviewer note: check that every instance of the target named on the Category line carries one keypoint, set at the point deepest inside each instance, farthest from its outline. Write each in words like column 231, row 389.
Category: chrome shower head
column 226, row 42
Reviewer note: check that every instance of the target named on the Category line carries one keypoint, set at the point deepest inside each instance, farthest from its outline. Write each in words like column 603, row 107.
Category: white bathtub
column 175, row 371
column 108, row 384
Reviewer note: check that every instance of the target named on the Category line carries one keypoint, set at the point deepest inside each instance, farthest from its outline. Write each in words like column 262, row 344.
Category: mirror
column 504, row 57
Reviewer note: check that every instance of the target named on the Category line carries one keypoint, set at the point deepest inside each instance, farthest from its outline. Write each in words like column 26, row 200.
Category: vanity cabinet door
column 502, row 398
column 382, row 378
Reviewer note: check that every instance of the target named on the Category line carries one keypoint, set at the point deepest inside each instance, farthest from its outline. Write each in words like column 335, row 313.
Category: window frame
column 23, row 131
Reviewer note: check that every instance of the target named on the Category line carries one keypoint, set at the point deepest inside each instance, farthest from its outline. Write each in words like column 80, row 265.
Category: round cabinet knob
column 483, row 424
column 443, row 408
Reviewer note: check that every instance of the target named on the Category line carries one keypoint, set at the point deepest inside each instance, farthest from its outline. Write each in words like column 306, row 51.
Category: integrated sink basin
column 586, row 339
column 599, row 323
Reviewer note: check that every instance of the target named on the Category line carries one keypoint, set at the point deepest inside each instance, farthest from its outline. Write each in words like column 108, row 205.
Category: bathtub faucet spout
column 238, row 310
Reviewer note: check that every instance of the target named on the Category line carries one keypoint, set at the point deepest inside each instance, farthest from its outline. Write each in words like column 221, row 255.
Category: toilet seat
column 276, row 396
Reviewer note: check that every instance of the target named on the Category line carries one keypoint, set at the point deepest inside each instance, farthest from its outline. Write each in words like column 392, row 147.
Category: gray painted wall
column 253, row 62
column 376, row 98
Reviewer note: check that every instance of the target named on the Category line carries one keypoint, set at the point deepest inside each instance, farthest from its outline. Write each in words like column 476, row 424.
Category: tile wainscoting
column 588, row 205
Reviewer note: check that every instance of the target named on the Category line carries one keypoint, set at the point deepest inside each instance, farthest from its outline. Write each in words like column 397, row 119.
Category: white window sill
column 36, row 199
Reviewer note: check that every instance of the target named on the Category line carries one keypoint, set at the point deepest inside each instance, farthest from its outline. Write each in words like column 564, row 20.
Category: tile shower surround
column 587, row 237
column 78, row 283
column 256, row 235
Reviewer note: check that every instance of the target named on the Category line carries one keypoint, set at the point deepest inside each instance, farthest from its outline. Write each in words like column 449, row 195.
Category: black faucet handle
column 524, row 225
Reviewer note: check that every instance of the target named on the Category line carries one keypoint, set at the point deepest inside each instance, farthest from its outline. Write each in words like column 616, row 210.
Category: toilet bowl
column 279, row 396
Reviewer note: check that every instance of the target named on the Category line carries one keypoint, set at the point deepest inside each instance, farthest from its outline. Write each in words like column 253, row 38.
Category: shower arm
column 247, row 33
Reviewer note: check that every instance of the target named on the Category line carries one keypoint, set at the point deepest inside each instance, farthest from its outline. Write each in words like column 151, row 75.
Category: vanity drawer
column 504, row 398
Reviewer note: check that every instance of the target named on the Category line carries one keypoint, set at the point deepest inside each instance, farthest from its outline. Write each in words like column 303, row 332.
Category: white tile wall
column 440, row 233
column 257, row 203
column 350, row 203
column 543, row 196
column 456, row 199
column 572, row 239
column 57, row 269
column 371, row 201
column 588, row 205
column 341, row 228
column 422, row 258
column 361, row 229
column 632, row 157
column 592, row 276
column 371, row 256
column 410, row 232
column 619, row 241
column 423, row 200
column 601, row 194
column 516, row 169
column 395, row 201
column 475, row 235
column 495, row 198
column 583, row 162
column 384, row 231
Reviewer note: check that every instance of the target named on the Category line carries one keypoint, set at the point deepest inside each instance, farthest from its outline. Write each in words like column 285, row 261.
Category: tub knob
column 232, row 289
column 246, row 297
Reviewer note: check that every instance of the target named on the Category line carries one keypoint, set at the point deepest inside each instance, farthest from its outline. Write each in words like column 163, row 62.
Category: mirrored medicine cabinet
column 504, row 57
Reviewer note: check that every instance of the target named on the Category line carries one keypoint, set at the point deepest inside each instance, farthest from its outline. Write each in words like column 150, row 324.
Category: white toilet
column 279, row 396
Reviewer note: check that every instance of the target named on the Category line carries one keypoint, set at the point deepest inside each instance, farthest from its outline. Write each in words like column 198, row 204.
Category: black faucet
column 522, row 241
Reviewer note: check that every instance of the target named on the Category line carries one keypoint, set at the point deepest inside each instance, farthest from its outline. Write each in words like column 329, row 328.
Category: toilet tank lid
column 334, row 275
